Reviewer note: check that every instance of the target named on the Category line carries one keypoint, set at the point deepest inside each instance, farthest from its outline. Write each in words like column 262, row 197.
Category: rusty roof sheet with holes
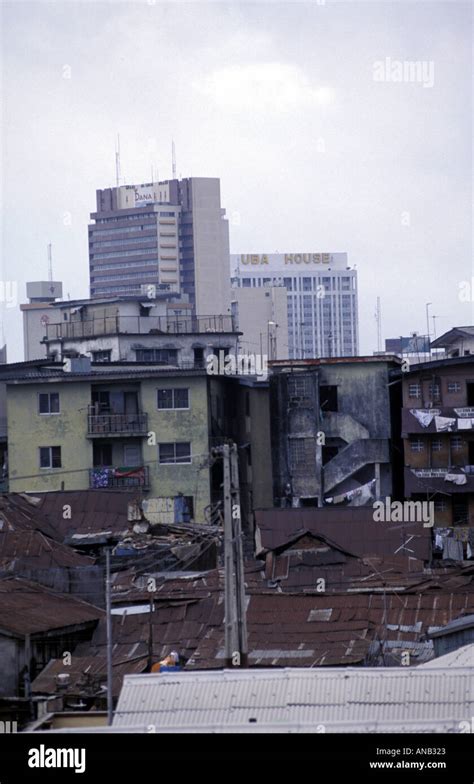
column 32, row 549
column 91, row 511
column 330, row 628
column 294, row 628
column 351, row 528
column 87, row 676
column 28, row 608
column 18, row 513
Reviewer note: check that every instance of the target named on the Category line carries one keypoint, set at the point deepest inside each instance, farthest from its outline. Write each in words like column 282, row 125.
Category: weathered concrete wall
column 174, row 426
column 360, row 429
column 28, row 430
column 363, row 393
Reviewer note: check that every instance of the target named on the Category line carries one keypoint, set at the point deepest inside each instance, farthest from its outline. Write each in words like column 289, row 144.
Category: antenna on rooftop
column 173, row 159
column 50, row 262
column 117, row 161
column 378, row 318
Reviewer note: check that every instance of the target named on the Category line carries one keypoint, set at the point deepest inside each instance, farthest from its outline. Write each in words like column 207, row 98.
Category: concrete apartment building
column 78, row 427
column 322, row 309
column 136, row 329
column 332, row 431
column 438, row 437
column 172, row 235
column 148, row 429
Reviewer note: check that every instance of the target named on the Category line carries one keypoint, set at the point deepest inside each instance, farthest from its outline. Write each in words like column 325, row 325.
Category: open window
column 328, row 398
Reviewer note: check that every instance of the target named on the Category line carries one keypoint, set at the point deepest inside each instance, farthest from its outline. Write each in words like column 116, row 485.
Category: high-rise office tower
column 171, row 234
column 321, row 298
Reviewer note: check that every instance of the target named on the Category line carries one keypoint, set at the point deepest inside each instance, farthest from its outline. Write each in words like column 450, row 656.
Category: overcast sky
column 295, row 106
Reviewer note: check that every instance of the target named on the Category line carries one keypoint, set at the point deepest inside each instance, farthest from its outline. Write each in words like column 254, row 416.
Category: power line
column 98, row 468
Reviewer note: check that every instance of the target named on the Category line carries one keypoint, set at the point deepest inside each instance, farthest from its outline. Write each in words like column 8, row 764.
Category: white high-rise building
column 321, row 298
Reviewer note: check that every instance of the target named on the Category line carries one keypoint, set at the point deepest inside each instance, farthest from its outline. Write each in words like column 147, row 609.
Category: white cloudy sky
column 277, row 99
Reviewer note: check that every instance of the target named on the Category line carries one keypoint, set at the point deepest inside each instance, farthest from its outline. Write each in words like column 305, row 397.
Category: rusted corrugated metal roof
column 285, row 628
column 28, row 608
column 32, row 549
column 352, row 528
column 91, row 511
column 87, row 676
column 389, row 359
column 330, row 628
column 19, row 513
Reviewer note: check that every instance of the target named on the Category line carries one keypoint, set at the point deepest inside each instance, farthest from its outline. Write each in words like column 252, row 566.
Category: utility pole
column 108, row 600
column 239, row 558
column 236, row 647
column 428, row 327
column 150, row 633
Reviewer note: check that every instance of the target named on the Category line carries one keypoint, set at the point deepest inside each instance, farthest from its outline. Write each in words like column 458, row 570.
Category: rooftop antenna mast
column 50, row 263
column 173, row 159
column 378, row 318
column 117, row 161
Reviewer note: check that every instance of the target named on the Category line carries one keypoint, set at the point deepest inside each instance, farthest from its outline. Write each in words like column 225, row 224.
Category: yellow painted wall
column 28, row 430
column 179, row 425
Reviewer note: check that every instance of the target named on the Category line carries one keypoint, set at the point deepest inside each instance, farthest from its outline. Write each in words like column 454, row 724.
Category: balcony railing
column 138, row 325
column 116, row 424
column 125, row 477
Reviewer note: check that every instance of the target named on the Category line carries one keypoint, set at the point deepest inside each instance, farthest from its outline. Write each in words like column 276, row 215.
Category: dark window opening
column 102, row 455
column 173, row 398
column 471, row 452
column 328, row 398
column 101, row 399
column 102, row 356
column 249, row 455
column 470, row 393
column 168, row 356
column 198, row 357
column 171, row 453
column 460, row 510
column 328, row 452
column 49, row 403
column 50, row 456
column 310, row 501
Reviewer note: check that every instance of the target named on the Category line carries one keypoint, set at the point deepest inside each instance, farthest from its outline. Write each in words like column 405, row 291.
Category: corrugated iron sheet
column 292, row 696
column 28, row 608
column 352, row 528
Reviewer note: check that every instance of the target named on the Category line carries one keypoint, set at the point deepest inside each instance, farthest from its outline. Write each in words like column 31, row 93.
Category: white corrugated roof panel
column 461, row 657
column 293, row 696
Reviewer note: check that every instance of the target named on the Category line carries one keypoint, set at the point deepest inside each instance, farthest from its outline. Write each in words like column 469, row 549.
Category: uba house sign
column 290, row 258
